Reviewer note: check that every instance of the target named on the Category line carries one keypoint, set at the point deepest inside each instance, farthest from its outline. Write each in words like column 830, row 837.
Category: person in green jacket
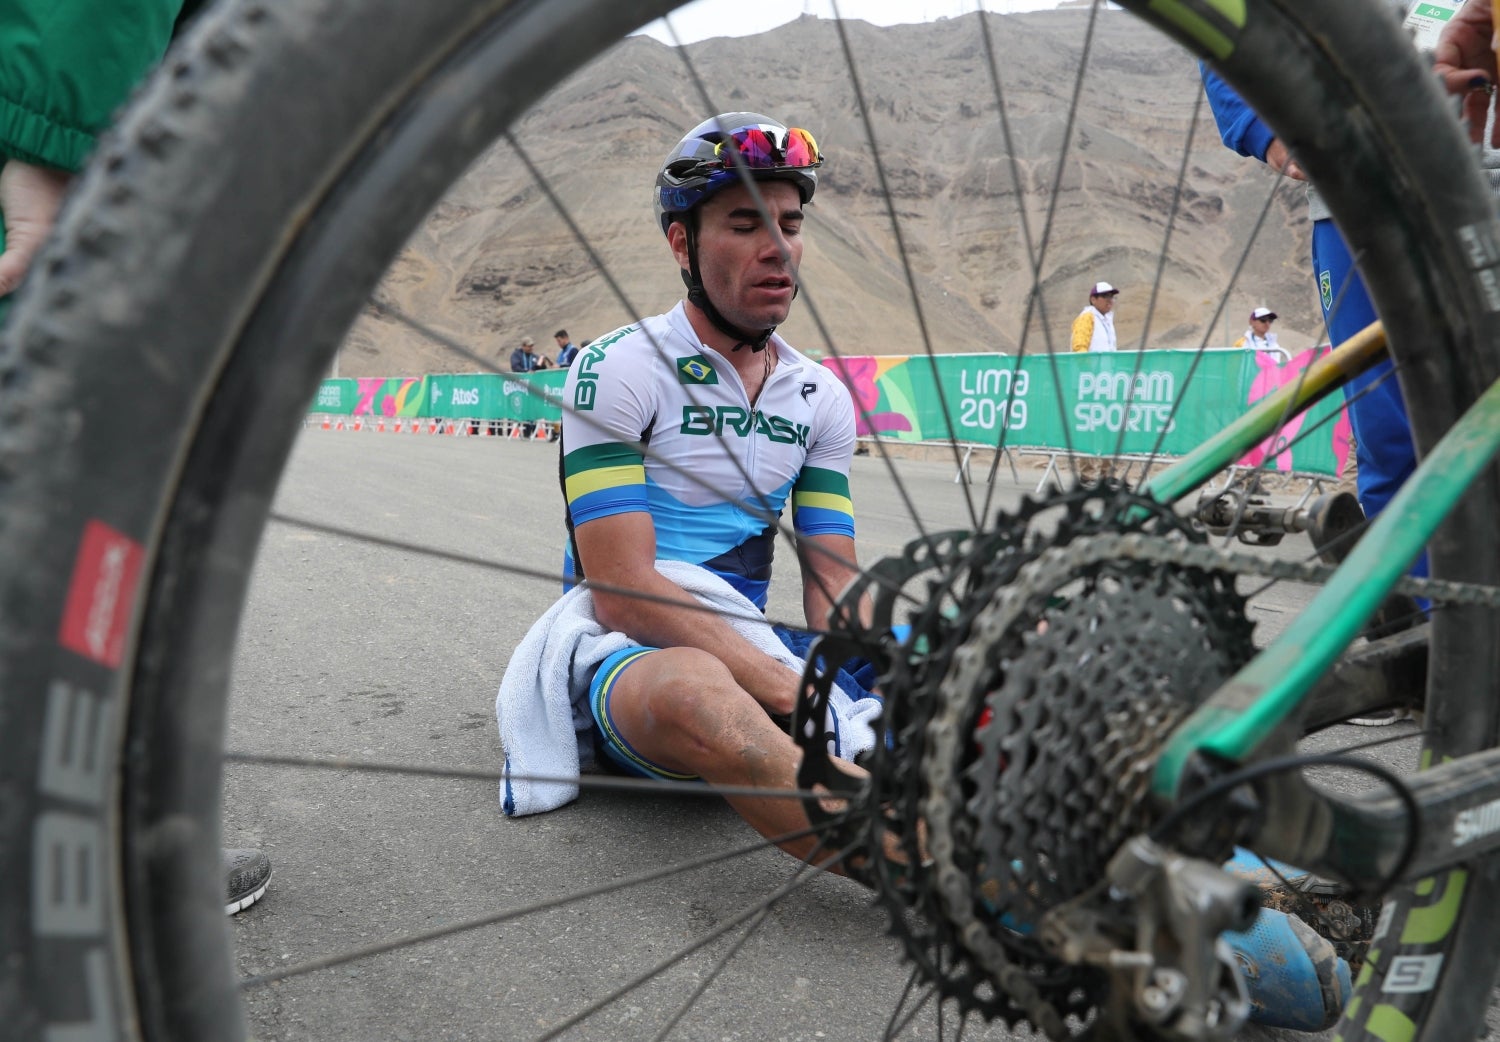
column 66, row 69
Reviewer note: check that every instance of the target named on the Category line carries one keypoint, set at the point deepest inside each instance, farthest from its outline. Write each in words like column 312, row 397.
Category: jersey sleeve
column 607, row 411
column 821, row 504
column 1239, row 127
column 1083, row 332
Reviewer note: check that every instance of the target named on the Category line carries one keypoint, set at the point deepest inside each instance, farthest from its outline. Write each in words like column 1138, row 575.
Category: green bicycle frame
column 1237, row 724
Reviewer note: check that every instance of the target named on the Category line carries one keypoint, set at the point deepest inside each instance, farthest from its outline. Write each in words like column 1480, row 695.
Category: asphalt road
column 361, row 651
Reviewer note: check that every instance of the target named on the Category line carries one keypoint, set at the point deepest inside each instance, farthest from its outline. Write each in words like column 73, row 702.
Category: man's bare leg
column 681, row 709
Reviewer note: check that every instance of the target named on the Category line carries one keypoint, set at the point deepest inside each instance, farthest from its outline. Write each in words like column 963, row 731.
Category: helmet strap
column 698, row 297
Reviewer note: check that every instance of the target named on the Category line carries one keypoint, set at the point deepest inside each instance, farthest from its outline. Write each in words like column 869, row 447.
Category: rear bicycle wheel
column 217, row 290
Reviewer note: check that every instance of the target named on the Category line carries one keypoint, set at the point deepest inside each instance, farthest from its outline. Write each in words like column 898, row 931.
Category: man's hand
column 1465, row 61
column 1279, row 158
column 29, row 198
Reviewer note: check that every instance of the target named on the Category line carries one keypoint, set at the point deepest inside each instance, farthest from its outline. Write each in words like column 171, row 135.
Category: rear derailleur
column 1155, row 931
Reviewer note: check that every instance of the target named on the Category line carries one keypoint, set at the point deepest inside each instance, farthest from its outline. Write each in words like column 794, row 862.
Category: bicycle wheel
column 211, row 274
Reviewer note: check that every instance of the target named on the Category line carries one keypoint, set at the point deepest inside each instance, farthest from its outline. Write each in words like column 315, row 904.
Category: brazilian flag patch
column 695, row 370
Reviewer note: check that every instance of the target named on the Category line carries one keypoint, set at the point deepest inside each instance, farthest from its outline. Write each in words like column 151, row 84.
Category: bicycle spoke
column 901, row 250
column 1034, row 298
column 1024, row 219
column 1239, row 266
column 639, row 786
column 648, row 975
column 903, row 1015
column 1161, row 267
column 810, row 298
column 380, row 948
column 523, row 571
column 723, row 961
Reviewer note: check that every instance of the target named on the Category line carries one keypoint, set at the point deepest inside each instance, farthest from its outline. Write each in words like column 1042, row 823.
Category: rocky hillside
column 494, row 261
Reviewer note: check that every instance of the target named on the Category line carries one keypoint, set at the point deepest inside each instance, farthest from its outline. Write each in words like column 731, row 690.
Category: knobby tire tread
column 172, row 272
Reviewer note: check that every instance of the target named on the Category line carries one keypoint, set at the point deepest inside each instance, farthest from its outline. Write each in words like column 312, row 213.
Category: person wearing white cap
column 1259, row 336
column 1094, row 328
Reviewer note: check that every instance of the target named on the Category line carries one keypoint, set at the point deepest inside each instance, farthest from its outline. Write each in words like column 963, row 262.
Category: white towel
column 543, row 707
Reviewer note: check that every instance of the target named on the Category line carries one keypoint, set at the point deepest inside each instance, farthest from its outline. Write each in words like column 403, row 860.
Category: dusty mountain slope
column 494, row 262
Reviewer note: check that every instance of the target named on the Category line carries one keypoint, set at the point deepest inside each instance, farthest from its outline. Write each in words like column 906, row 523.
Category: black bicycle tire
column 1374, row 180
column 170, row 972
column 192, row 482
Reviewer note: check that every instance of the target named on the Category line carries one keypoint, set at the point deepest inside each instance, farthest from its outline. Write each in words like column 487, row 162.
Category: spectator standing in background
column 565, row 349
column 1259, row 336
column 524, row 359
column 1094, row 328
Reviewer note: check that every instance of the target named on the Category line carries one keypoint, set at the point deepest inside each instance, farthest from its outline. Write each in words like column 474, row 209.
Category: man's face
column 749, row 267
column 1261, row 326
column 1104, row 303
column 562, row 341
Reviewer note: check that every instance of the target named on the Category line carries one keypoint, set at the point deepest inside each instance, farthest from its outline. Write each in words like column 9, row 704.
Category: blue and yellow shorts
column 609, row 739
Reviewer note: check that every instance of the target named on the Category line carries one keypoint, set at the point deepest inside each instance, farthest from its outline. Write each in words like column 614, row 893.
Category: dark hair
column 560, row 333
column 586, row 343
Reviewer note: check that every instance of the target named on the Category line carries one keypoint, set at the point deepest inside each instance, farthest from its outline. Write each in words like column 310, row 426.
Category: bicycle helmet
column 700, row 166
column 712, row 156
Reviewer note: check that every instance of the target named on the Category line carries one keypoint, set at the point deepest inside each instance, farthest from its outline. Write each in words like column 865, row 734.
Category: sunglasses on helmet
column 759, row 148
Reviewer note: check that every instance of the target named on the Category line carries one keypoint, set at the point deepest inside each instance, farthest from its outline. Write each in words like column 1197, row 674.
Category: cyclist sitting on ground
column 723, row 404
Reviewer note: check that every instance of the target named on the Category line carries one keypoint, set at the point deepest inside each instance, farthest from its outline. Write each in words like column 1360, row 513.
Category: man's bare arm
column 828, row 567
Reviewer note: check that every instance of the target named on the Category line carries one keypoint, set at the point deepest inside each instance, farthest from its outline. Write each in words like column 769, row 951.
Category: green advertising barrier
column 541, row 400
column 372, row 396
column 337, row 397
column 1163, row 401
column 465, row 396
column 485, row 396
column 1097, row 404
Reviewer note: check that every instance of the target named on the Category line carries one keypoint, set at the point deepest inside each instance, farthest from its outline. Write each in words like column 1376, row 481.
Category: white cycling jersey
column 719, row 470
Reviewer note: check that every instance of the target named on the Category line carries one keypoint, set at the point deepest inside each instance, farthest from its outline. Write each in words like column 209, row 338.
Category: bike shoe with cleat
column 1294, row 977
column 1323, row 904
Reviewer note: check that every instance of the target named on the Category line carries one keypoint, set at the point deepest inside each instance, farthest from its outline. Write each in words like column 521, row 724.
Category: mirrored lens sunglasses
column 760, row 150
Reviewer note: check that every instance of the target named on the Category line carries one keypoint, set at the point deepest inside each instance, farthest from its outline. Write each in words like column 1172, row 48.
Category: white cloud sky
column 706, row 18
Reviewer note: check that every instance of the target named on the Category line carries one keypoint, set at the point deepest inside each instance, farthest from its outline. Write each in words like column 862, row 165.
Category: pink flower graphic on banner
column 1272, row 377
column 369, row 387
column 1343, row 436
column 860, row 376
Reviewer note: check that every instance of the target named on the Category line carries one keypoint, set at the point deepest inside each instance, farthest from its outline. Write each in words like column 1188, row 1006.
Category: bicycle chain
column 1239, row 563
